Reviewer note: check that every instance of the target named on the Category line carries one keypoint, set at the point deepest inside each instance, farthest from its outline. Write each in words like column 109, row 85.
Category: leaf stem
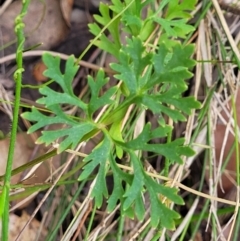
column 120, row 227
column 4, row 198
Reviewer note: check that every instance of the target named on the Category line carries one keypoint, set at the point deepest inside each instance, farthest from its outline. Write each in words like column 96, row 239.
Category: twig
column 4, row 6
column 32, row 53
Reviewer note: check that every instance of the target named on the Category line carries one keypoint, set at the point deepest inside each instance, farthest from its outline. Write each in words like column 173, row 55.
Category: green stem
column 235, row 237
column 236, row 139
column 90, row 222
column 167, row 162
column 120, row 227
column 4, row 198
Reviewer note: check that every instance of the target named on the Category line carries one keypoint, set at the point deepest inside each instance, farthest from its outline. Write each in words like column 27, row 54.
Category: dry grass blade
column 226, row 29
column 4, row 6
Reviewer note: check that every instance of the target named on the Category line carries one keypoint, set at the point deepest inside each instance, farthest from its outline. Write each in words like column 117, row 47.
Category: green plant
column 152, row 70
column 4, row 197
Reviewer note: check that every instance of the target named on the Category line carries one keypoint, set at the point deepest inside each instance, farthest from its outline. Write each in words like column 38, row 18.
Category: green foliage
column 104, row 42
column 152, row 78
column 99, row 156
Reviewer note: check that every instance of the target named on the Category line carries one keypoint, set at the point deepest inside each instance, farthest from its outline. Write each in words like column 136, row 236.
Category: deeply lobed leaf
column 96, row 100
column 152, row 78
column 99, row 156
column 53, row 71
column 180, row 9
